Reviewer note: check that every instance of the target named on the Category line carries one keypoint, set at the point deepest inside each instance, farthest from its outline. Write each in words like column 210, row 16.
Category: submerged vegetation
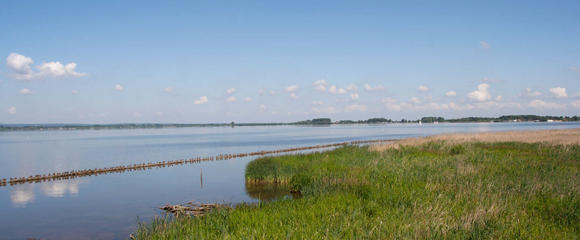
column 434, row 190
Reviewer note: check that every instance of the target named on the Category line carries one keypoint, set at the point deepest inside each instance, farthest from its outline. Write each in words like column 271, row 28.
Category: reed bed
column 161, row 164
column 435, row 190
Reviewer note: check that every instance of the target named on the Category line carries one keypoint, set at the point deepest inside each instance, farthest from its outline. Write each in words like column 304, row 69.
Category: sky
column 283, row 61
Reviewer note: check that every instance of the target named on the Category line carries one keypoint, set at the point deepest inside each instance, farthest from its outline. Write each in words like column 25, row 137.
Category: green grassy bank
column 437, row 190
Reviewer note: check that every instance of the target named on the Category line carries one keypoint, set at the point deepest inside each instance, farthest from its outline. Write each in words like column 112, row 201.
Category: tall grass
column 435, row 190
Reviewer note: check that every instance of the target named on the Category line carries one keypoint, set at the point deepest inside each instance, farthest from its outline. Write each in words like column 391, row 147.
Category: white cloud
column 168, row 89
column 262, row 107
column 574, row 68
column 291, row 88
column 541, row 104
column 531, row 93
column 451, row 94
column 230, row 90
column 484, row 44
column 231, row 99
column 356, row 107
column 391, row 104
column 293, row 95
column 25, row 91
column 575, row 104
column 422, row 88
column 354, row 96
column 334, row 90
column 415, row 100
column 12, row 110
column 498, row 98
column 74, row 92
column 159, row 114
column 248, row 99
column 201, row 100
column 351, row 87
column 481, row 94
column 118, row 87
column 320, row 85
column 559, row 92
column 370, row 88
column 317, row 103
column 21, row 65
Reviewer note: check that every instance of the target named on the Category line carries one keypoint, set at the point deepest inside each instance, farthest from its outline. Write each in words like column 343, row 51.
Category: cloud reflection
column 22, row 195
column 59, row 189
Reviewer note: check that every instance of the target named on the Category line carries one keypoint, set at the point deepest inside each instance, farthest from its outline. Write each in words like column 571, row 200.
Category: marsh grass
column 437, row 189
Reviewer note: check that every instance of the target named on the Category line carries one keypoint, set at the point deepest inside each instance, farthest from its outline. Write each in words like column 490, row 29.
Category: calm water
column 109, row 206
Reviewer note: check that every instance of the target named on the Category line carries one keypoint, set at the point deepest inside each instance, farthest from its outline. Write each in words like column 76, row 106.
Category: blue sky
column 268, row 61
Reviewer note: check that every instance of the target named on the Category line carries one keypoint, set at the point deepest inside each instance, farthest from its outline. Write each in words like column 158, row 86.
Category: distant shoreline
column 313, row 122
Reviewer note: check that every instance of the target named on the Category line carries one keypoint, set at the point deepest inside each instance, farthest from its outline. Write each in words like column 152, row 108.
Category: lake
column 110, row 206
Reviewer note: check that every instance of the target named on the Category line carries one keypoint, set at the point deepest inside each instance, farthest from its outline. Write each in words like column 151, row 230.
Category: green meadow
column 436, row 190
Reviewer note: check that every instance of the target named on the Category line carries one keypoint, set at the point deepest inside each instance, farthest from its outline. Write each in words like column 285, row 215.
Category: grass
column 436, row 190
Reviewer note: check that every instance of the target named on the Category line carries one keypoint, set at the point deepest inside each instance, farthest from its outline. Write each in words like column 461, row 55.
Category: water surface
column 109, row 206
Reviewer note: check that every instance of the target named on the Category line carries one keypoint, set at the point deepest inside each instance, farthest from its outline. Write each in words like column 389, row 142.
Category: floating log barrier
column 161, row 164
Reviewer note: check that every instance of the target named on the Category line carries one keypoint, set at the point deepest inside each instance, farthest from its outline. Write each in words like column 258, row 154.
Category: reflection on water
column 269, row 192
column 21, row 195
column 59, row 189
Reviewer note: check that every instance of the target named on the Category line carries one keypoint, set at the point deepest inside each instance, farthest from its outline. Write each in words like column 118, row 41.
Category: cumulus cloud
column 231, row 99
column 370, row 88
column 293, row 95
column 11, row 110
column 168, row 89
column 352, row 87
column 354, row 96
column 248, row 99
column 291, row 88
column 25, row 91
column 19, row 63
column 118, row 87
column 451, row 94
column 22, row 68
column 317, row 102
column 498, row 98
column 334, row 90
column 356, row 107
column 532, row 93
column 484, row 44
column 320, row 85
column 575, row 104
column 481, row 94
column 542, row 104
column 262, row 107
column 423, row 88
column 230, row 90
column 559, row 92
column 391, row 104
column 74, row 92
column 415, row 100
column 201, row 100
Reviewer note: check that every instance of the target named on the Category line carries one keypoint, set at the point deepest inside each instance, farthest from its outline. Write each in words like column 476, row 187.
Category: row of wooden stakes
column 144, row 166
